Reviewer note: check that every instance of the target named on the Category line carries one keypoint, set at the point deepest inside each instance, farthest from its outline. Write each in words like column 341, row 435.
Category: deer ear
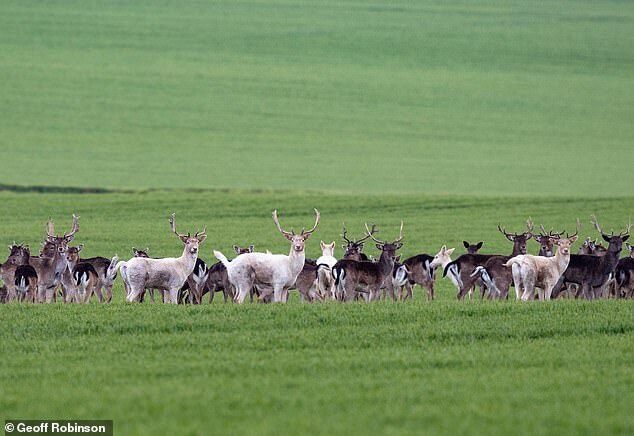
column 201, row 238
column 332, row 245
column 322, row 245
column 626, row 237
column 573, row 239
column 80, row 247
column 251, row 247
column 379, row 246
column 236, row 249
column 183, row 238
column 510, row 238
column 305, row 236
column 344, row 246
column 479, row 244
column 443, row 248
column 449, row 251
column 466, row 244
column 398, row 258
column 605, row 238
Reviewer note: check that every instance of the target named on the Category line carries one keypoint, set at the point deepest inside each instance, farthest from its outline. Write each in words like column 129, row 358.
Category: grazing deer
column 539, row 271
column 472, row 248
column 370, row 275
column 325, row 281
column 51, row 262
column 269, row 273
column 218, row 279
column 498, row 278
column 461, row 271
column 624, row 275
column 168, row 274
column 18, row 255
column 590, row 272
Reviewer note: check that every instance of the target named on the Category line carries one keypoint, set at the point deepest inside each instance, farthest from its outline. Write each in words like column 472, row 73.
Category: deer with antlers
column 592, row 273
column 462, row 271
column 168, row 274
column 269, row 273
column 498, row 278
column 539, row 271
column 51, row 262
column 353, row 252
column 367, row 276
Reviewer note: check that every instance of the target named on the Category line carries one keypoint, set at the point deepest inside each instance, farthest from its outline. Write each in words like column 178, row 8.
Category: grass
column 452, row 116
column 366, row 97
column 443, row 367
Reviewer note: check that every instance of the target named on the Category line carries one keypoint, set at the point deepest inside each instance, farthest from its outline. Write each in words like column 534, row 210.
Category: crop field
column 450, row 116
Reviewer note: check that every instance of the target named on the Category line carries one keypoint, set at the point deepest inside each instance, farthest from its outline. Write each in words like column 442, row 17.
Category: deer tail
column 222, row 258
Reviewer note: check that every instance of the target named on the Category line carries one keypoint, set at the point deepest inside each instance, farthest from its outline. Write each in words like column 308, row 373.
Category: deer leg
column 97, row 290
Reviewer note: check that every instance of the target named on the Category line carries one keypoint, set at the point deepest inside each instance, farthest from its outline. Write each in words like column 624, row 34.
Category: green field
column 450, row 116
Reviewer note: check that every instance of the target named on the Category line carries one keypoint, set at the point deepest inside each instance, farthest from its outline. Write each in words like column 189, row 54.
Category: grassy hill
column 466, row 98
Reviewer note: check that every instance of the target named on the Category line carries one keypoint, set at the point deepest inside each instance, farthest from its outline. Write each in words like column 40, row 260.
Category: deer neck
column 386, row 263
column 188, row 260
column 516, row 250
column 561, row 260
column 297, row 259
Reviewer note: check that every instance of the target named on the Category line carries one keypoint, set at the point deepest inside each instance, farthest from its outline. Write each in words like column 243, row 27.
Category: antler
column 317, row 217
column 50, row 229
column 370, row 233
column 173, row 227
column 74, row 229
column 529, row 225
column 400, row 234
column 343, row 235
column 279, row 227
column 503, row 231
column 627, row 231
column 593, row 220
column 204, row 232
column 575, row 233
column 551, row 233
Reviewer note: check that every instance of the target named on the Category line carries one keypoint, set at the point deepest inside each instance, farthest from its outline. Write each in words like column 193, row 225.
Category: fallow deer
column 51, row 262
column 498, row 278
column 625, row 275
column 538, row 271
column 589, row 272
column 18, row 255
column 269, row 273
column 85, row 278
column 325, row 262
column 370, row 275
column 168, row 274
column 25, row 280
column 420, row 272
column 353, row 252
column 472, row 248
column 461, row 270
column 218, row 279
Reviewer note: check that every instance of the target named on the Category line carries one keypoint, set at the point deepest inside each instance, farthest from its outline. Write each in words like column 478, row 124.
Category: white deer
column 269, row 273
column 538, row 271
column 168, row 274
column 325, row 262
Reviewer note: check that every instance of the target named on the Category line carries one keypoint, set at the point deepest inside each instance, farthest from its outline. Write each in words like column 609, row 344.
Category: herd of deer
column 60, row 272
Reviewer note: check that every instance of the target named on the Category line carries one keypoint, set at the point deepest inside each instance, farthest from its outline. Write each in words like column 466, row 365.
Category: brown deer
column 25, row 280
column 370, row 275
column 498, row 277
column 624, row 275
column 472, row 248
column 51, row 262
column 592, row 273
column 461, row 270
column 18, row 255
column 353, row 252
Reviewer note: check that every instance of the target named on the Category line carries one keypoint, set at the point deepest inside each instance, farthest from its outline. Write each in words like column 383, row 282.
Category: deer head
column 61, row 241
column 563, row 244
column 191, row 242
column 472, row 248
column 545, row 241
column 297, row 241
column 72, row 254
column 240, row 250
column 141, row 253
column 519, row 239
column 387, row 248
column 327, row 249
column 443, row 257
column 18, row 254
column 631, row 249
column 353, row 248
column 615, row 241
